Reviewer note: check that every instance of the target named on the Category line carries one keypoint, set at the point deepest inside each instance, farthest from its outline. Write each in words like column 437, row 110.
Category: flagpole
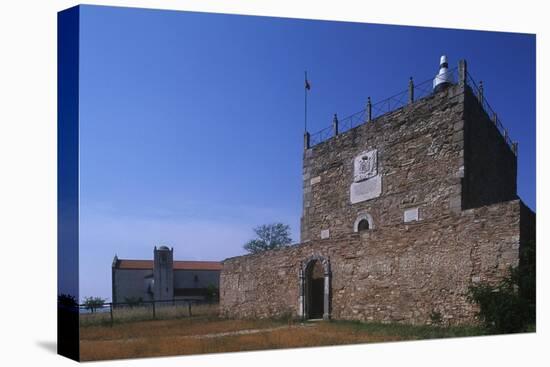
column 305, row 103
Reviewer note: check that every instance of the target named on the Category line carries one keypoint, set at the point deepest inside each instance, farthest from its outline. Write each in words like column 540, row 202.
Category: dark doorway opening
column 315, row 290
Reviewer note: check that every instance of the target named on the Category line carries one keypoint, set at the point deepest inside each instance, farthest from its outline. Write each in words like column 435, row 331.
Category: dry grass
column 141, row 313
column 195, row 336
column 168, row 328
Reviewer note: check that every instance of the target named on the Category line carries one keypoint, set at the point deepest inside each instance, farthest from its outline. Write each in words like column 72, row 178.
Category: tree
column 93, row 303
column 269, row 237
column 67, row 301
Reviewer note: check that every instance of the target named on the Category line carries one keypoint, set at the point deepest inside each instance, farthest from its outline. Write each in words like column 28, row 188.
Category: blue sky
column 192, row 123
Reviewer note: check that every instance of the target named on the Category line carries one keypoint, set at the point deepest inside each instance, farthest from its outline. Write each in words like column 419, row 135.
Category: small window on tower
column 363, row 222
column 196, row 278
column 363, row 225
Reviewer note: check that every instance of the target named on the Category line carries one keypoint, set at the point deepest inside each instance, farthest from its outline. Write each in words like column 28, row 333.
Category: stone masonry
column 437, row 184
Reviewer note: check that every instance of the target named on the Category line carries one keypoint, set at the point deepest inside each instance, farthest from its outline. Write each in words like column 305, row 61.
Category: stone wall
column 527, row 225
column 402, row 272
column 439, row 191
column 528, row 234
column 420, row 155
column 490, row 164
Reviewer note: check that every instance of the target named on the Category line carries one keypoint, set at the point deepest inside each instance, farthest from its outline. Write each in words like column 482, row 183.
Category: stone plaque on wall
column 410, row 215
column 365, row 165
column 365, row 190
column 367, row 183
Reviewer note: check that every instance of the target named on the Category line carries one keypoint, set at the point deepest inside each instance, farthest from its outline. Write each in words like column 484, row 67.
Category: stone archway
column 361, row 218
column 315, row 278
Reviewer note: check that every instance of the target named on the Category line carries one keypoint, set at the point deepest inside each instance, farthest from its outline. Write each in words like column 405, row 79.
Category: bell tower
column 163, row 273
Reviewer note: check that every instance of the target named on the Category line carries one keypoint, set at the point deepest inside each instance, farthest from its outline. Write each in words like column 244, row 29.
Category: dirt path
column 248, row 331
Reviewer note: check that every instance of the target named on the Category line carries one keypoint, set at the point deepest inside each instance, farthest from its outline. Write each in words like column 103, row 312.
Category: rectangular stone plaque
column 325, row 233
column 366, row 190
column 410, row 215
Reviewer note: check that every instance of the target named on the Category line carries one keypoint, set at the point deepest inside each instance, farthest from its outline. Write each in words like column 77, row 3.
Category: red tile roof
column 197, row 265
column 135, row 264
column 178, row 265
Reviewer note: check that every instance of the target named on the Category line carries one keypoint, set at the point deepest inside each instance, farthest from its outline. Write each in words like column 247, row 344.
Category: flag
column 308, row 87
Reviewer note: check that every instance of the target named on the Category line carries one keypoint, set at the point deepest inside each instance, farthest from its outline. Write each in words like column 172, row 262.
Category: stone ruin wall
column 397, row 271
column 400, row 273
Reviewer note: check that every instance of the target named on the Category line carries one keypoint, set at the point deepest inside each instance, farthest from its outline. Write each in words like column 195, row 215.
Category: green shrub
column 133, row 301
column 509, row 306
column 501, row 309
column 436, row 318
column 524, row 276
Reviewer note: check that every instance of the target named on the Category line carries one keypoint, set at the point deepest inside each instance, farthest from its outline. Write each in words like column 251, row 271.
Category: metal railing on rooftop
column 375, row 110
column 413, row 93
column 477, row 89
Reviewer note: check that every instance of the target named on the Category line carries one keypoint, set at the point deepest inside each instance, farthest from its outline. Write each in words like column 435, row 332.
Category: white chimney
column 444, row 78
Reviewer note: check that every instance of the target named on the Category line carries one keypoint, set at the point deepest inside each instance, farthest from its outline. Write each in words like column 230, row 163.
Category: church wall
column 402, row 272
column 130, row 283
column 186, row 278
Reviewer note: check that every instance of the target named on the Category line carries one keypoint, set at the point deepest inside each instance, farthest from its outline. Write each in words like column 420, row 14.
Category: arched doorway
column 315, row 288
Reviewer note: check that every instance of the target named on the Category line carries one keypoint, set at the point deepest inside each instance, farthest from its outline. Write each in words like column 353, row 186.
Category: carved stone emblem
column 365, row 165
column 367, row 183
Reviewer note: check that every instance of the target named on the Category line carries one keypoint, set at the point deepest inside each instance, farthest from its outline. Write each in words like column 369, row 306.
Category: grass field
column 145, row 312
column 213, row 335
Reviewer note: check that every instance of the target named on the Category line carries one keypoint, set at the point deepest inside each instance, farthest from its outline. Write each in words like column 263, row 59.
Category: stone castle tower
column 403, row 209
column 432, row 158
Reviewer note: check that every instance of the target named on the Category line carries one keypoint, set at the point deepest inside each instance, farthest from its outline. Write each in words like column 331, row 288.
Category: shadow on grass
column 413, row 332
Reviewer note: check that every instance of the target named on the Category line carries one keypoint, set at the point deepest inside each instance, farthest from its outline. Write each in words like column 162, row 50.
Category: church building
column 404, row 207
column 163, row 278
